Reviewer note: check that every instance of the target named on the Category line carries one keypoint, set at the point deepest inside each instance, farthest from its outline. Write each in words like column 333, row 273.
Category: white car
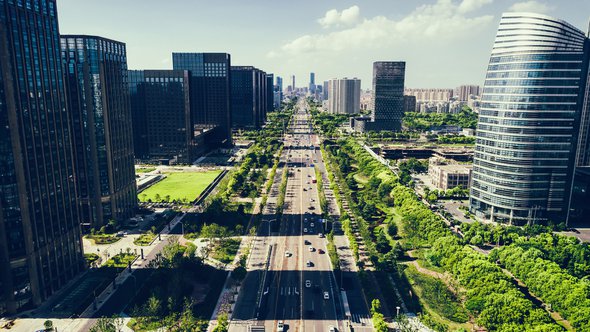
column 280, row 326
column 305, row 230
column 311, row 249
column 288, row 254
column 307, row 283
column 326, row 296
column 311, row 224
column 320, row 235
column 331, row 328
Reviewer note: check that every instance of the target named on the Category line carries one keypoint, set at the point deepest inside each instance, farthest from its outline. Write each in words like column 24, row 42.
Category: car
column 304, row 189
column 120, row 233
column 309, row 263
column 311, row 224
column 331, row 328
column 307, row 242
column 326, row 296
column 311, row 199
column 280, row 326
column 304, row 219
column 288, row 254
column 320, row 235
column 311, row 249
column 307, row 283
column 305, row 230
column 320, row 251
column 312, row 208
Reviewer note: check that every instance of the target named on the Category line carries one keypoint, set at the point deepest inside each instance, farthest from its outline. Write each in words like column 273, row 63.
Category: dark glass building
column 248, row 97
column 210, row 91
column 388, row 95
column 96, row 80
column 40, row 240
column 162, row 122
column 269, row 95
column 529, row 120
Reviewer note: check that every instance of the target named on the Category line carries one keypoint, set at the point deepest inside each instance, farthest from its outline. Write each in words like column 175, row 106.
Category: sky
column 445, row 43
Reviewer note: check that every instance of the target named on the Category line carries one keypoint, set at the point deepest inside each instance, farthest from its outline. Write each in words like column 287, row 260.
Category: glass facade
column 162, row 124
column 249, row 97
column 96, row 72
column 40, row 241
column 209, row 90
column 529, row 120
column 388, row 90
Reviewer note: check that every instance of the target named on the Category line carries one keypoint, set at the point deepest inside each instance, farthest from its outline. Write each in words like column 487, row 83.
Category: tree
column 222, row 323
column 48, row 325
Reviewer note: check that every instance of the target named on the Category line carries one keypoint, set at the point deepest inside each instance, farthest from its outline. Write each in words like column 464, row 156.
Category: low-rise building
column 449, row 176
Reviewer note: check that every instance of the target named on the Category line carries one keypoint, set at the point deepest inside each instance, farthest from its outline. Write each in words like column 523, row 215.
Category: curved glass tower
column 529, row 120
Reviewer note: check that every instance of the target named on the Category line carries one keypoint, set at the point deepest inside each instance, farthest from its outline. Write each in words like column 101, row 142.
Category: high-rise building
column 269, row 94
column 583, row 153
column 409, row 104
column 388, row 91
column 529, row 120
column 98, row 97
column 325, row 92
column 210, row 91
column 293, row 83
column 463, row 92
column 312, row 83
column 162, row 125
column 40, row 240
column 344, row 96
column 248, row 97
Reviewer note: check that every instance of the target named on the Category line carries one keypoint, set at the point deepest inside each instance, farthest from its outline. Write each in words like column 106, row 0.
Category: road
column 291, row 278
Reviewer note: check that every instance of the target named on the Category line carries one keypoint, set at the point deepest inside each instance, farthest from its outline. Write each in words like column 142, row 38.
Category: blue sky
column 445, row 43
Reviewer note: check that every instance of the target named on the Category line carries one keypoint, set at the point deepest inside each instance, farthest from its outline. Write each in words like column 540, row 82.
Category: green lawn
column 182, row 186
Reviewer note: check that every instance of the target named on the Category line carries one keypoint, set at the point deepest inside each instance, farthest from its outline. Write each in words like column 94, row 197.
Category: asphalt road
column 282, row 285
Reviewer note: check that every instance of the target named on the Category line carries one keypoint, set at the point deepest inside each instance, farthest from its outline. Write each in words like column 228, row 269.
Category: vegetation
column 120, row 260
column 181, row 187
column 145, row 239
column 166, row 301
column 414, row 121
column 91, row 258
column 226, row 251
column 455, row 139
column 144, row 169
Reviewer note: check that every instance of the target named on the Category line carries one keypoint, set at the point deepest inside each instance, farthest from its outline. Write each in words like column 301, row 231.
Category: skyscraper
column 312, row 83
column 529, row 120
column 344, row 96
column 388, row 92
column 269, row 94
column 248, row 97
column 210, row 91
column 162, row 123
column 40, row 240
column 464, row 91
column 293, row 82
column 98, row 97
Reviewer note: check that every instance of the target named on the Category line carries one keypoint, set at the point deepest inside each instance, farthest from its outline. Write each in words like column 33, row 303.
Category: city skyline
column 334, row 39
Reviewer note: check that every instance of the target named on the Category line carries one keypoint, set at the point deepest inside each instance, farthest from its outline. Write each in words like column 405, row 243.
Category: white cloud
column 443, row 21
column 347, row 17
column 467, row 6
column 531, row 6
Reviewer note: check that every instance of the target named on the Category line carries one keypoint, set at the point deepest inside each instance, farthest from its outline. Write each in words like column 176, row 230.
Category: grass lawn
column 120, row 260
column 179, row 186
column 103, row 238
column 144, row 169
column 144, row 239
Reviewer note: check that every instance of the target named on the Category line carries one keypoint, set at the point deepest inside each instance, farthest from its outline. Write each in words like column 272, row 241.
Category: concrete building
column 344, row 96
column 430, row 95
column 448, row 176
column 409, row 104
column 210, row 92
column 464, row 92
column 40, row 240
column 529, row 120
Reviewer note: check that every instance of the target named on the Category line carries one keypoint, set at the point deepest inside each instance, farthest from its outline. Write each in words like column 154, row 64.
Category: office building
column 210, row 91
column 293, row 82
column 409, row 104
column 98, row 97
column 529, row 120
column 312, row 83
column 388, row 98
column 344, row 96
column 579, row 208
column 269, row 94
column 40, row 240
column 248, row 97
column 163, row 129
column 325, row 91
column 447, row 175
column 464, row 92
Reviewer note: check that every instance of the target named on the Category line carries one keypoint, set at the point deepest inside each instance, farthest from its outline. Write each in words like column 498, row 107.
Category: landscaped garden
column 182, row 187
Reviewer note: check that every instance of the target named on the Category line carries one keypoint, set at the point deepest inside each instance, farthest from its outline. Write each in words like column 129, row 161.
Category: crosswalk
column 364, row 320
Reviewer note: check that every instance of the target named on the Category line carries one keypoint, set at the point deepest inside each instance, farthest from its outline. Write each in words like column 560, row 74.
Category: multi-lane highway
column 291, row 279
